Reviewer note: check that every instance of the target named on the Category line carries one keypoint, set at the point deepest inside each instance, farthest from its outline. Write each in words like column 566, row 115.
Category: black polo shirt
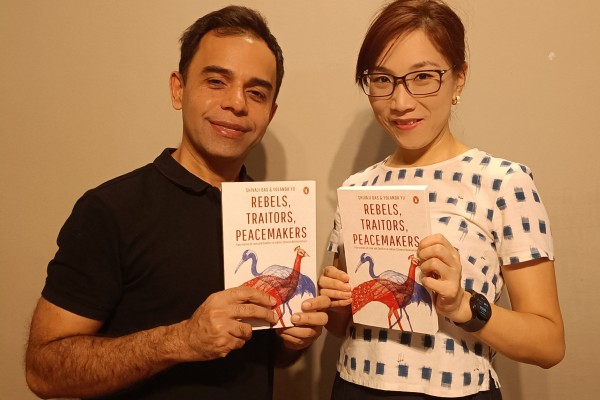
column 145, row 250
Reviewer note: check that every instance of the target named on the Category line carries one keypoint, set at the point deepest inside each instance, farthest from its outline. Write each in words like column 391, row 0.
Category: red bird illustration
column 395, row 292
column 281, row 288
column 305, row 284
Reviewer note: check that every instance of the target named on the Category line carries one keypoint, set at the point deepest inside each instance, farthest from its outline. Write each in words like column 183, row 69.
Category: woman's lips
column 406, row 124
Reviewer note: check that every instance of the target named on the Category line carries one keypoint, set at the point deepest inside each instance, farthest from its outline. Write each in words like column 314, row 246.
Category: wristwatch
column 481, row 312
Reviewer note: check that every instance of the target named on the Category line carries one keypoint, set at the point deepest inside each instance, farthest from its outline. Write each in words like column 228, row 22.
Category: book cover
column 269, row 242
column 381, row 229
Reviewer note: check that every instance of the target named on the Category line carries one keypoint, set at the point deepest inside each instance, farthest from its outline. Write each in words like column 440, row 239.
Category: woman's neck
column 445, row 148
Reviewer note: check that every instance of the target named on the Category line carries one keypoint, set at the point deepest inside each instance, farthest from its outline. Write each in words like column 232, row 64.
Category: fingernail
column 273, row 301
column 295, row 318
column 306, row 305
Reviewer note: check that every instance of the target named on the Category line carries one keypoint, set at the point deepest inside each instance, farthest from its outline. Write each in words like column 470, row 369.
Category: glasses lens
column 423, row 82
column 378, row 84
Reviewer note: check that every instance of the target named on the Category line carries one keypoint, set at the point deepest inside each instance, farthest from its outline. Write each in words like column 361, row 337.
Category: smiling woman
column 87, row 99
column 412, row 68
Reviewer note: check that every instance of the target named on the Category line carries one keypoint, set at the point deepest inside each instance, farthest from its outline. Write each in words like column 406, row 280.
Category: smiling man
column 134, row 305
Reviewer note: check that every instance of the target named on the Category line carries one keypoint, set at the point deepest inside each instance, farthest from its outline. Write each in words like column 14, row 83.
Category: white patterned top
column 491, row 212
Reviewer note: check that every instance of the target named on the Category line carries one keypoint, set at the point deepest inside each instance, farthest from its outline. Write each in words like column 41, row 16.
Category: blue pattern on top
column 403, row 370
column 426, row 374
column 405, row 338
column 519, row 194
column 490, row 218
column 471, row 207
column 526, row 225
column 446, row 379
column 485, row 161
column 496, row 185
column 383, row 335
column 466, row 378
column 542, row 226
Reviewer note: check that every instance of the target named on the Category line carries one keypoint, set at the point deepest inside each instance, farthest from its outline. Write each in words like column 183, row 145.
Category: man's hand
column 218, row 326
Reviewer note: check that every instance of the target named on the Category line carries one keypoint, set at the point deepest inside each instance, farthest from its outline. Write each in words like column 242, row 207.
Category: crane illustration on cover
column 391, row 288
column 281, row 282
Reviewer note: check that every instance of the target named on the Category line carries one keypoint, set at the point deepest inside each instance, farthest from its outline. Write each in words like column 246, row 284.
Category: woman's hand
column 441, row 273
column 334, row 284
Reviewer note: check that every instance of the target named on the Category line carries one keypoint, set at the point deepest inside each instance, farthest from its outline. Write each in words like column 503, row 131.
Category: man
column 133, row 305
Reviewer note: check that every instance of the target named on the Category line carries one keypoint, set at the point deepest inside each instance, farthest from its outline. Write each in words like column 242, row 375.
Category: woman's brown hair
column 401, row 17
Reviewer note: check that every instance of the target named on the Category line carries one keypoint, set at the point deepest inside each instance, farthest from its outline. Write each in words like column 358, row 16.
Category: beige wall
column 84, row 98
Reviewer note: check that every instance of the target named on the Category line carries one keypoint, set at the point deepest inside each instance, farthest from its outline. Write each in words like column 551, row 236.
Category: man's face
column 227, row 98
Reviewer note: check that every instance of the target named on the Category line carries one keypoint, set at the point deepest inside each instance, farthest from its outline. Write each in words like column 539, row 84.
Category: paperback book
column 269, row 242
column 381, row 228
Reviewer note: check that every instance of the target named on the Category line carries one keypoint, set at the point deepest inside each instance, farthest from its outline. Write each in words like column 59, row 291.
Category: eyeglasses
column 417, row 83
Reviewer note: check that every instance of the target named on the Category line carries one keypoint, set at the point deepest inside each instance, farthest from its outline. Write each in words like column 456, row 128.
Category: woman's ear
column 461, row 78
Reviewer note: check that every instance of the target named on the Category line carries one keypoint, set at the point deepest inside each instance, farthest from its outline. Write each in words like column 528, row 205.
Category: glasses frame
column 402, row 79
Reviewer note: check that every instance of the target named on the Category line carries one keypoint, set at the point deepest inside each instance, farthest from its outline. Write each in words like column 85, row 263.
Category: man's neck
column 213, row 173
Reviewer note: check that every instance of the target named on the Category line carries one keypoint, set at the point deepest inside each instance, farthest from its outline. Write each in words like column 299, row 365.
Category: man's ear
column 176, row 85
column 273, row 110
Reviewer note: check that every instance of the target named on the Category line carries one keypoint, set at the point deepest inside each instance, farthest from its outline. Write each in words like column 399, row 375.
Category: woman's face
column 416, row 122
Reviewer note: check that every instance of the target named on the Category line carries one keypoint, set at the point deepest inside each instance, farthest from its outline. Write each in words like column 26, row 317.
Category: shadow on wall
column 267, row 160
column 365, row 144
column 509, row 371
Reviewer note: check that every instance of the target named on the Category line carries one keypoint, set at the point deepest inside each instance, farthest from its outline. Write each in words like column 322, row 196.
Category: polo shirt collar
column 175, row 172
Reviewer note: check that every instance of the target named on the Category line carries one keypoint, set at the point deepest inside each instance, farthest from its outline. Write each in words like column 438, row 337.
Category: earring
column 456, row 100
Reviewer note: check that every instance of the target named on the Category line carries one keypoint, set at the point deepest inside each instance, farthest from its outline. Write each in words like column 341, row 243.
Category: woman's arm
column 532, row 332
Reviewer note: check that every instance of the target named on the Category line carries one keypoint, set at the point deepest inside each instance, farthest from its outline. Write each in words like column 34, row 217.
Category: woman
column 495, row 231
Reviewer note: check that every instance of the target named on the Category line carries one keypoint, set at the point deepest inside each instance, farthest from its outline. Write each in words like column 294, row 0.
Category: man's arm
column 65, row 357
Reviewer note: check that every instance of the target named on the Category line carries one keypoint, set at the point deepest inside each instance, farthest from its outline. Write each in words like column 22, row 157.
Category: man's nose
column 234, row 99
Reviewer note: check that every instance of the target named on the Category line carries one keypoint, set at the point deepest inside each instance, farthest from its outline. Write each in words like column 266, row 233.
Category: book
column 269, row 242
column 381, row 230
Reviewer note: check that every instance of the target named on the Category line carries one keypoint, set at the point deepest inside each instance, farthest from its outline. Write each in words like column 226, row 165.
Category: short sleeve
column 524, row 232
column 335, row 237
column 84, row 276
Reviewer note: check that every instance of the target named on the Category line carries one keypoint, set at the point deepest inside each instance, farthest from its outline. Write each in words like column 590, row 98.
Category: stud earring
column 456, row 100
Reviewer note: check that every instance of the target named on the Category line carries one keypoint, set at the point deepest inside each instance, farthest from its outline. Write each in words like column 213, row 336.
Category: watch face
column 481, row 312
column 481, row 307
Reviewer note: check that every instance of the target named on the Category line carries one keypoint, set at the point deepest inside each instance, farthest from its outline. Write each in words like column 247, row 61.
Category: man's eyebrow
column 216, row 69
column 260, row 82
column 227, row 72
